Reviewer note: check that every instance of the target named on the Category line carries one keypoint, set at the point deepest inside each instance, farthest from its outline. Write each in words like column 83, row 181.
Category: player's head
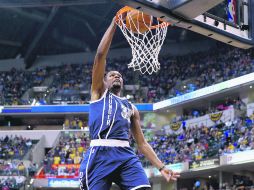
column 114, row 81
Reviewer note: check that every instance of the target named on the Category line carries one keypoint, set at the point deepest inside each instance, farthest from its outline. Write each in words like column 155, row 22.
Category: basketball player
column 110, row 158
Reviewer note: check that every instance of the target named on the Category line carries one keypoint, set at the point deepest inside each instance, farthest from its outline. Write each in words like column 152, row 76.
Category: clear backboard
column 229, row 21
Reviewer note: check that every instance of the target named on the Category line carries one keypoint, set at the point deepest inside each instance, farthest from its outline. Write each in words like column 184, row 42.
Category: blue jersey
column 109, row 117
column 109, row 121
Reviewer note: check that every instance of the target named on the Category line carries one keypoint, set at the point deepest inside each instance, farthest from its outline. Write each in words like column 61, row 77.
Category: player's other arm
column 147, row 150
column 98, row 86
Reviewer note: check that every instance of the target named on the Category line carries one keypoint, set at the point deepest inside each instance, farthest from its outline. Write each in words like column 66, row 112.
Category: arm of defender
column 147, row 150
column 98, row 86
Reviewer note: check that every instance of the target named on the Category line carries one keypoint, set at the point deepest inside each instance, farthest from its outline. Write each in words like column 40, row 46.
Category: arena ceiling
column 30, row 28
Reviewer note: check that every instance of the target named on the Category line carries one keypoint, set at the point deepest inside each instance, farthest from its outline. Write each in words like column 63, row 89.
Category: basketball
column 138, row 22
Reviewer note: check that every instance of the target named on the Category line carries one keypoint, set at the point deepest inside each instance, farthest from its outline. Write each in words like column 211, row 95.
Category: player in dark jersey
column 110, row 157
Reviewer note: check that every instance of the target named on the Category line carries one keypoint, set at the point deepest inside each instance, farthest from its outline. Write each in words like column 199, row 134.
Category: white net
column 145, row 43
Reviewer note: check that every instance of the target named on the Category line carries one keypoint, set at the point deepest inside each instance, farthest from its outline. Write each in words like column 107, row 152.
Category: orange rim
column 127, row 9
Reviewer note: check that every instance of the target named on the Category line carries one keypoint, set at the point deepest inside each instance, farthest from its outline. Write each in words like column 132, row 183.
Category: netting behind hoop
column 145, row 46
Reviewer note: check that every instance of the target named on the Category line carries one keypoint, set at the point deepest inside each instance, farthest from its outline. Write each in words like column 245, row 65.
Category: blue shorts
column 103, row 165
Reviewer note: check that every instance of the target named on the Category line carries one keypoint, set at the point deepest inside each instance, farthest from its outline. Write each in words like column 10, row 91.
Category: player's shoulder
column 96, row 97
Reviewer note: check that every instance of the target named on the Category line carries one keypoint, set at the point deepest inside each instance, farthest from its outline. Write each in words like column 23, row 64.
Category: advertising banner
column 204, row 164
column 63, row 182
column 238, row 158
column 204, row 91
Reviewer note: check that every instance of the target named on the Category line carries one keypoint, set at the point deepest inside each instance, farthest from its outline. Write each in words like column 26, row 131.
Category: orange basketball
column 138, row 22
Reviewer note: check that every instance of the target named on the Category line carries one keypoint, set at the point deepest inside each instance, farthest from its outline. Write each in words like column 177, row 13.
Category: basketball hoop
column 145, row 37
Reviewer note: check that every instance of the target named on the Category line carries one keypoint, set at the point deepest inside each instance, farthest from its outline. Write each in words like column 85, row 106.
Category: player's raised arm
column 98, row 86
column 147, row 150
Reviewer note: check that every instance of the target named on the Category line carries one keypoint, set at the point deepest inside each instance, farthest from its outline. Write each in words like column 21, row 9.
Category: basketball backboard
column 229, row 21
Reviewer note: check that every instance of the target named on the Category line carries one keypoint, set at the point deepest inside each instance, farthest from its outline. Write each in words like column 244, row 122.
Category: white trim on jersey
column 109, row 143
column 104, row 94
column 140, row 187
column 91, row 151
column 112, row 121
column 102, row 119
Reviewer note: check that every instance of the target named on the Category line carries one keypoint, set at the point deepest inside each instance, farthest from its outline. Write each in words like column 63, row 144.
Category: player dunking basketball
column 110, row 157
